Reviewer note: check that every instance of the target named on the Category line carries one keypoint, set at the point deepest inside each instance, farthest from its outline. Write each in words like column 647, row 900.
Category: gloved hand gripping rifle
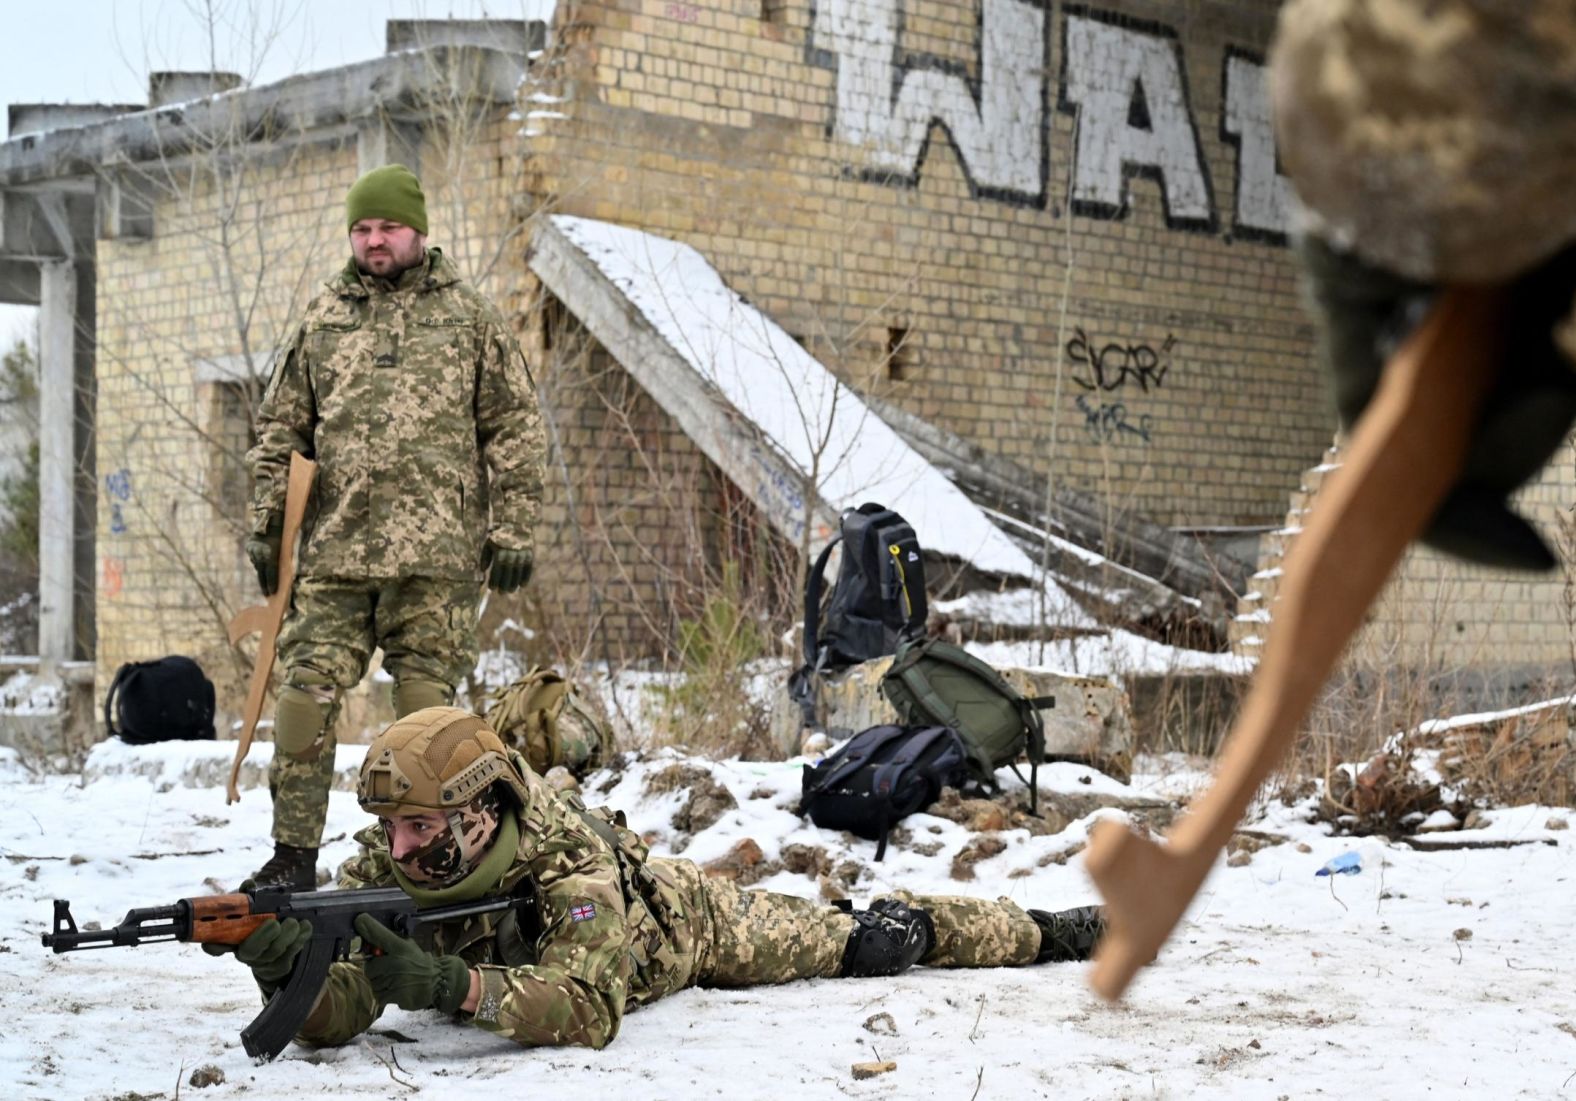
column 230, row 919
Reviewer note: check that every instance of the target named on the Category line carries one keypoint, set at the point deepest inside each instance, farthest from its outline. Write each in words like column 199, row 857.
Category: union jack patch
column 582, row 911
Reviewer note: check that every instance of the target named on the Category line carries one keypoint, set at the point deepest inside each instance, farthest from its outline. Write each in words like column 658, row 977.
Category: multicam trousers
column 426, row 628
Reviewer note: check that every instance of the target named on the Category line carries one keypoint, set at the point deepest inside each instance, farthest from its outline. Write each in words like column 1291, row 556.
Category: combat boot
column 289, row 869
column 1069, row 934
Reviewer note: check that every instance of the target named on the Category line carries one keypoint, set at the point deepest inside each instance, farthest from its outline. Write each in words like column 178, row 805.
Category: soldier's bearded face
column 386, row 248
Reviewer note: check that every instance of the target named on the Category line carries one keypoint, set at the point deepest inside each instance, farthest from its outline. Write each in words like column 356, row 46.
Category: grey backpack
column 932, row 681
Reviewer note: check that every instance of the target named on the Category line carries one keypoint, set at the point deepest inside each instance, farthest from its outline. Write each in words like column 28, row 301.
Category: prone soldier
column 608, row 928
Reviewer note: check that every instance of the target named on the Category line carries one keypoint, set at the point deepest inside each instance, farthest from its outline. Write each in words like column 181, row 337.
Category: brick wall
column 1083, row 260
column 1155, row 353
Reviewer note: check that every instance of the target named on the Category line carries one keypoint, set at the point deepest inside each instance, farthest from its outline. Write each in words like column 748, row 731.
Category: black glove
column 1364, row 313
column 509, row 569
column 270, row 951
column 406, row 976
column 263, row 549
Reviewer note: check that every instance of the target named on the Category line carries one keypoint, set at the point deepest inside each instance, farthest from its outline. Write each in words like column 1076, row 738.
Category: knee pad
column 413, row 692
column 888, row 939
column 301, row 719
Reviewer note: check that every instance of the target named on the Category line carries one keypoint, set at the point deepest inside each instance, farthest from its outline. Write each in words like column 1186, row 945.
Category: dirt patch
column 981, row 848
column 708, row 800
column 1001, row 813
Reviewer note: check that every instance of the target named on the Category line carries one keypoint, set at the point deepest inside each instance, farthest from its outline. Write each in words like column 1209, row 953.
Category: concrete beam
column 404, row 86
column 56, row 464
column 1174, row 561
column 519, row 36
column 24, row 118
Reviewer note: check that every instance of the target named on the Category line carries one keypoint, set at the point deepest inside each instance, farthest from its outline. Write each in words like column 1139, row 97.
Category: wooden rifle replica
column 267, row 617
column 1406, row 452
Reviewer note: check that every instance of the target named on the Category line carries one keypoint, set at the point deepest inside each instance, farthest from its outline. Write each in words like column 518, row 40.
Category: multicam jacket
column 402, row 394
column 609, row 930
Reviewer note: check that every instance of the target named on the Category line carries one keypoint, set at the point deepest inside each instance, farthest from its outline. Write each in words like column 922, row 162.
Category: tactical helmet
column 437, row 758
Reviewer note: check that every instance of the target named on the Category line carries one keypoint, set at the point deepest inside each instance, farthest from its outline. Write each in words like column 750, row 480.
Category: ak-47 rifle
column 230, row 919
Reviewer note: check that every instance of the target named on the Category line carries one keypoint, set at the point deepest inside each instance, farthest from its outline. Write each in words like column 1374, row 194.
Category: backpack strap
column 812, row 602
column 1030, row 707
column 801, row 685
column 917, row 744
column 122, row 675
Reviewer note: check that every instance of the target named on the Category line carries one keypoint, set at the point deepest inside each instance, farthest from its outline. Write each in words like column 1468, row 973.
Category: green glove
column 270, row 951
column 263, row 549
column 510, row 568
column 405, row 975
column 1362, row 315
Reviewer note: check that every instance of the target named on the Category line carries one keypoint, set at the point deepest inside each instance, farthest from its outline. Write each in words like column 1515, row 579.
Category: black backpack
column 160, row 701
column 880, row 775
column 877, row 601
column 933, row 681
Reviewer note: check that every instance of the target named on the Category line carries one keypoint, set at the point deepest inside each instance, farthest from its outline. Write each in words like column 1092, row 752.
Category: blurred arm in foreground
column 1433, row 145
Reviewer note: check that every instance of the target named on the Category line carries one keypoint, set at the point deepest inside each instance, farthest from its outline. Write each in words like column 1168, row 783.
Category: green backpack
column 932, row 682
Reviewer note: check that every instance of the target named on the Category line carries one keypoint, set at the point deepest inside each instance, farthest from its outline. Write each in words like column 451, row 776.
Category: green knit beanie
column 391, row 192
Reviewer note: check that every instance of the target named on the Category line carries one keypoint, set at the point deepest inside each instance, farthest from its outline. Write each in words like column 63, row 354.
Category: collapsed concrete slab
column 773, row 418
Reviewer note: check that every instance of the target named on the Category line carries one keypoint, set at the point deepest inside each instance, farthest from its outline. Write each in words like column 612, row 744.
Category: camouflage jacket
column 609, row 930
column 402, row 395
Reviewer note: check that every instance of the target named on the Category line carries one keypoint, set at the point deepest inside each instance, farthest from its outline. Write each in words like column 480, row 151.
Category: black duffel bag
column 880, row 775
column 166, row 700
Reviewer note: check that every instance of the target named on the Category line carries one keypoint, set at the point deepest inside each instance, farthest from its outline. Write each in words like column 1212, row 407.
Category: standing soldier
column 408, row 389
column 606, row 928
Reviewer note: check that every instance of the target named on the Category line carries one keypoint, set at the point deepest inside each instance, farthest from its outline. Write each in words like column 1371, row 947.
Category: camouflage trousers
column 760, row 937
column 426, row 628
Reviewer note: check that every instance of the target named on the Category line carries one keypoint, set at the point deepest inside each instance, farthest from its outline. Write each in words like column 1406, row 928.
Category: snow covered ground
column 1429, row 974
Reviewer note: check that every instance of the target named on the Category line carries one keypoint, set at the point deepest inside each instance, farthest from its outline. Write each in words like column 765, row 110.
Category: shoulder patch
column 582, row 911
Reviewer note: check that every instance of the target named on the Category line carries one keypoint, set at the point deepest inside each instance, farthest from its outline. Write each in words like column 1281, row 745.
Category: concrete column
column 56, row 463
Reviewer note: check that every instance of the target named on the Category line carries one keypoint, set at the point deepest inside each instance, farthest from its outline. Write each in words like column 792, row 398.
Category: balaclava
column 453, row 853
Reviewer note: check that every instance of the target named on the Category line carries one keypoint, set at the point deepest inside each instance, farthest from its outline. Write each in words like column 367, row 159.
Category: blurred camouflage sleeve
column 284, row 424
column 575, row 992
column 509, row 432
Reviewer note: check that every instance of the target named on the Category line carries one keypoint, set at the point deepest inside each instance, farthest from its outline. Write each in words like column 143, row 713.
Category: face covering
column 453, row 853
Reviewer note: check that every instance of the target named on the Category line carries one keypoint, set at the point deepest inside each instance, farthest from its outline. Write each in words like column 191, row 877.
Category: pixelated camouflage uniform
column 614, row 929
column 415, row 402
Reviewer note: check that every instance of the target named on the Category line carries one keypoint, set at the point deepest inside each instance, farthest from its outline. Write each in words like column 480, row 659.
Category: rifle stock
column 230, row 919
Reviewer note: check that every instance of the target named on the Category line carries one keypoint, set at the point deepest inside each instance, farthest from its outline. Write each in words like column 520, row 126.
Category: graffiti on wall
column 1110, row 422
column 118, row 486
column 114, row 576
column 1263, row 192
column 1112, row 364
column 1124, row 82
column 886, row 100
column 1129, row 369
